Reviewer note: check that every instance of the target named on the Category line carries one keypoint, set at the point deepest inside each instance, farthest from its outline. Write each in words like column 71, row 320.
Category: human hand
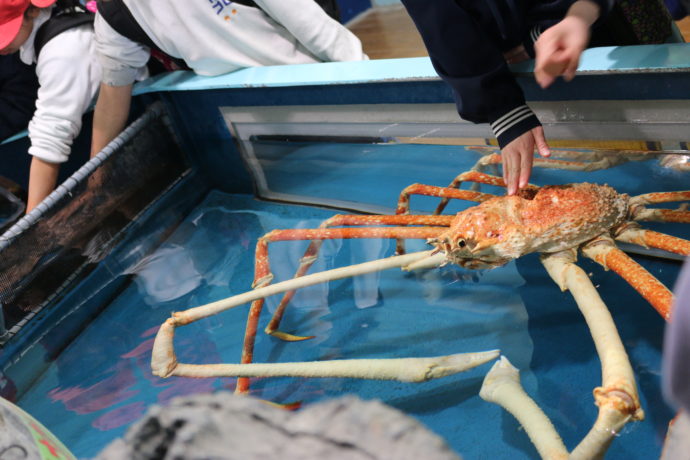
column 558, row 50
column 518, row 156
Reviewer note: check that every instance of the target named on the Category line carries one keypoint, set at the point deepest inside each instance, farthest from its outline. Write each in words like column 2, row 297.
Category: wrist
column 585, row 11
column 513, row 124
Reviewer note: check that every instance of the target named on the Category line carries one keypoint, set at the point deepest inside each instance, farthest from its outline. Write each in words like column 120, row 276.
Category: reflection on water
column 102, row 382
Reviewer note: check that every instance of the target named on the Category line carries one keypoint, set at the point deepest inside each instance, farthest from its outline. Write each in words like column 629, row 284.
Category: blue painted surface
column 672, row 57
column 326, row 73
column 628, row 59
column 101, row 382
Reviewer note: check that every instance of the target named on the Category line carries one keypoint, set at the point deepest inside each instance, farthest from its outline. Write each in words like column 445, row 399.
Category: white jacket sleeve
column 122, row 60
column 322, row 35
column 68, row 77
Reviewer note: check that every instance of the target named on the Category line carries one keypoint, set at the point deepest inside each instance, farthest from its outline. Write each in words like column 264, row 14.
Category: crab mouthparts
column 462, row 257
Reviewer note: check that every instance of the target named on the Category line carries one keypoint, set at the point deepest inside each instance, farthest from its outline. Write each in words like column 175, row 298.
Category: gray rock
column 225, row 426
column 16, row 441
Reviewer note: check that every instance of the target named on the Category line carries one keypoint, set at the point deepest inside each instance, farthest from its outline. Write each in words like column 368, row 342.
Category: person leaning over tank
column 470, row 44
column 18, row 85
column 68, row 77
column 211, row 38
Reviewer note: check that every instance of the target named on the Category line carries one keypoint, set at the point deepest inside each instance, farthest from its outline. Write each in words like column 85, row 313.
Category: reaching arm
column 110, row 115
column 68, row 82
column 122, row 62
column 466, row 55
column 42, row 180
column 322, row 35
column 470, row 61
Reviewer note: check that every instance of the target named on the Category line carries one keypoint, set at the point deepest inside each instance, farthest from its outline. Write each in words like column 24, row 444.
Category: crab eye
column 461, row 243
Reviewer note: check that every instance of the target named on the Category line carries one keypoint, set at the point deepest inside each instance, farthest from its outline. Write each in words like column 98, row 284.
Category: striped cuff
column 535, row 33
column 513, row 124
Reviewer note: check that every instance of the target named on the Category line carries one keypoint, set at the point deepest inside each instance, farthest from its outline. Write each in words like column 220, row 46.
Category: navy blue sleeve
column 18, row 86
column 469, row 61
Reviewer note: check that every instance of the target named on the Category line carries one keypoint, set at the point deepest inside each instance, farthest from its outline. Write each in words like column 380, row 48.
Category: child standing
column 68, row 76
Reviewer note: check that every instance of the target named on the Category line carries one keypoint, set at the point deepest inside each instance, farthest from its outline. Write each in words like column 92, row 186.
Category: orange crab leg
column 310, row 254
column 610, row 257
column 470, row 176
column 642, row 213
column 444, row 192
column 662, row 197
column 550, row 163
column 662, row 215
column 649, row 238
column 262, row 271
column 478, row 177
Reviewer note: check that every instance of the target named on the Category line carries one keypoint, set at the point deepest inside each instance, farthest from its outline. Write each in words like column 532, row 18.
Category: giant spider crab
column 556, row 221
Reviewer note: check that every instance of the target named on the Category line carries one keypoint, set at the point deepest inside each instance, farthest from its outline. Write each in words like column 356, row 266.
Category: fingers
column 511, row 171
column 518, row 157
column 570, row 70
column 550, row 67
column 517, row 162
column 526, row 159
column 540, row 142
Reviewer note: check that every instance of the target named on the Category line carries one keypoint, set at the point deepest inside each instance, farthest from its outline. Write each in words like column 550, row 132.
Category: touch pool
column 102, row 382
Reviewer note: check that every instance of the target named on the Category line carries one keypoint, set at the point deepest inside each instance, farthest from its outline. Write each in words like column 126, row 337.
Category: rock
column 225, row 426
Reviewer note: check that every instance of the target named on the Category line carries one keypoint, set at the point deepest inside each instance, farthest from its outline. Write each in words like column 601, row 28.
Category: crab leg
column 617, row 398
column 469, row 176
column 445, row 192
column 604, row 252
column 310, row 255
column 602, row 160
column 263, row 275
column 661, row 197
column 649, row 238
column 430, row 190
column 597, row 160
column 164, row 361
column 641, row 213
column 401, row 369
column 502, row 386
column 662, row 215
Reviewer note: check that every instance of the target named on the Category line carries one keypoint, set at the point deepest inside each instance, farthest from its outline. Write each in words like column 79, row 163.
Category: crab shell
column 546, row 219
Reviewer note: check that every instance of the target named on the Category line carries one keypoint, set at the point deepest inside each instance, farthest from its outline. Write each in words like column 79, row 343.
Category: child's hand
column 558, row 50
column 518, row 156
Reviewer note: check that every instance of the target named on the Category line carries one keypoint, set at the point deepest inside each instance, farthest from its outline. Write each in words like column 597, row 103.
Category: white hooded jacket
column 68, row 76
column 220, row 36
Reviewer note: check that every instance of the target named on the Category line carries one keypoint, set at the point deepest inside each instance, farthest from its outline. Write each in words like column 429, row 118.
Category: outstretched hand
column 559, row 48
column 518, row 156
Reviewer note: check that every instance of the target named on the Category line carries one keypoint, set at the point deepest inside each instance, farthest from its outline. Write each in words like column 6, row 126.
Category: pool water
column 102, row 382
